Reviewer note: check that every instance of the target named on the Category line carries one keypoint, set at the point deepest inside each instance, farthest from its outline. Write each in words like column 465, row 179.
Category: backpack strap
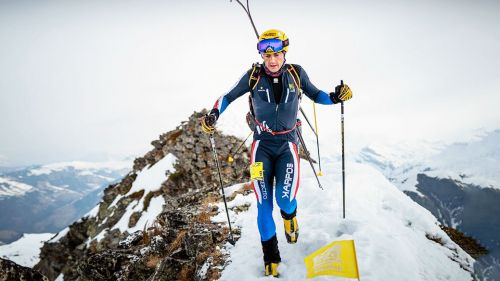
column 252, row 83
column 254, row 75
column 295, row 76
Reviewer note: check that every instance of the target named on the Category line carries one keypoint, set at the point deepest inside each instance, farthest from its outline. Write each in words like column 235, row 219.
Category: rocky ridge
column 9, row 270
column 182, row 243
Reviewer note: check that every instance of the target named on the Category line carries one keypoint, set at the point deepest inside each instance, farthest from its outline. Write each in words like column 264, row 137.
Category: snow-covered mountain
column 76, row 176
column 26, row 250
column 46, row 198
column 458, row 183
column 396, row 239
column 10, row 187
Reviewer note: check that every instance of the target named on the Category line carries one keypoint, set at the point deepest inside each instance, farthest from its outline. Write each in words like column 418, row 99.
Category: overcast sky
column 92, row 80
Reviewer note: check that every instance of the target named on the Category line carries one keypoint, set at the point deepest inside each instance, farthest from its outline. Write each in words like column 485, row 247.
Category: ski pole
column 307, row 120
column 308, row 157
column 212, row 142
column 230, row 158
column 343, row 158
column 317, row 140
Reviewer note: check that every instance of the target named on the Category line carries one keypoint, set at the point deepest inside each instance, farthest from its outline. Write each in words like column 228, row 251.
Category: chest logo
column 291, row 87
column 261, row 89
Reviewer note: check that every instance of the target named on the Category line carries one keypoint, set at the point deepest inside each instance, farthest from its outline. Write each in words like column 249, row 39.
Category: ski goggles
column 273, row 45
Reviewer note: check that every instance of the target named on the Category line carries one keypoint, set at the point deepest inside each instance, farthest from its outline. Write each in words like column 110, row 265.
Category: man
column 275, row 91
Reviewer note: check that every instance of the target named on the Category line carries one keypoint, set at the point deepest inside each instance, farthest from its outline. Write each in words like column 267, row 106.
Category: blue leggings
column 281, row 163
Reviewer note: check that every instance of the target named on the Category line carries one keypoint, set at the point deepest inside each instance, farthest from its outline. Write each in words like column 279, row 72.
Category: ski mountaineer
column 275, row 91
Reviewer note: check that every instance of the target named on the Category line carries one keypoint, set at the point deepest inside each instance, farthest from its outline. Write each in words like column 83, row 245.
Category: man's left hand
column 342, row 93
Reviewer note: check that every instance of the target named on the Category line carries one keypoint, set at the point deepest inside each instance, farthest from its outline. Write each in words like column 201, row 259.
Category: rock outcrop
column 181, row 244
column 10, row 270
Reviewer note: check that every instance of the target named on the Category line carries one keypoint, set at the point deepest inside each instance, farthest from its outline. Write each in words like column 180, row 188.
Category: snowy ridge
column 149, row 180
column 10, row 187
column 59, row 235
column 26, row 250
column 389, row 230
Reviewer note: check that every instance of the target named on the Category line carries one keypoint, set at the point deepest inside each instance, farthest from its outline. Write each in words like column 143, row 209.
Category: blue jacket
column 275, row 116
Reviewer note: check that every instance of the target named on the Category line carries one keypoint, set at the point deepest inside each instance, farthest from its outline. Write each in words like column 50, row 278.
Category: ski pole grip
column 342, row 102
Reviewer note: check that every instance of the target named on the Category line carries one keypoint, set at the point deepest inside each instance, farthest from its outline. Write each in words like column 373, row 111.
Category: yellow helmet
column 272, row 41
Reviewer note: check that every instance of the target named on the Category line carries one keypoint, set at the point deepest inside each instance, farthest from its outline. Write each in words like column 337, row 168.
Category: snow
column 85, row 173
column 92, row 213
column 149, row 180
column 26, row 250
column 56, row 188
column 59, row 235
column 147, row 218
column 10, row 187
column 90, row 173
column 389, row 230
column 99, row 236
column 202, row 272
column 86, row 167
column 229, row 190
column 115, row 201
column 154, row 209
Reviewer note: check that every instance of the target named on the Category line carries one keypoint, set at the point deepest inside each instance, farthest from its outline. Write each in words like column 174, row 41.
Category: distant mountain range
column 46, row 198
column 458, row 183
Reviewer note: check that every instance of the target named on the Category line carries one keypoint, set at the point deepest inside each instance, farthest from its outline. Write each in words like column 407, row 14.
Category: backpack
column 254, row 79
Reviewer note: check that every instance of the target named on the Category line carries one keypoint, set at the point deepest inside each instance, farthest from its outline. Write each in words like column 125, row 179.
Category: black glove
column 208, row 121
column 342, row 93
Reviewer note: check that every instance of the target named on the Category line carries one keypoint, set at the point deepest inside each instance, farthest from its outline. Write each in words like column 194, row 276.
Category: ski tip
column 231, row 241
column 341, row 82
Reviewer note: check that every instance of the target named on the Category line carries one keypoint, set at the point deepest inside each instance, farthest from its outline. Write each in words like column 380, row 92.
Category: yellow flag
column 338, row 258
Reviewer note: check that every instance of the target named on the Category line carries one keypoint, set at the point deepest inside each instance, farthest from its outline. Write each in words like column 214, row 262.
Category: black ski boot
column 271, row 256
column 291, row 226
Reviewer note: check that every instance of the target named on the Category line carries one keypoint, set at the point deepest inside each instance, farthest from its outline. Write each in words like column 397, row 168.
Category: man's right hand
column 208, row 122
